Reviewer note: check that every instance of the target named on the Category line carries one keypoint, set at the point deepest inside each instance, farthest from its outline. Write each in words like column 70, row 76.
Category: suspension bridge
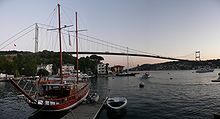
column 130, row 54
column 38, row 35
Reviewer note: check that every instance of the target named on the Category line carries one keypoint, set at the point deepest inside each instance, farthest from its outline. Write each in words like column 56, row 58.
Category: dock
column 86, row 111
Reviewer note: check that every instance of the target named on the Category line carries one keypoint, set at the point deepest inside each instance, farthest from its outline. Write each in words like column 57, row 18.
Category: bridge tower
column 36, row 38
column 197, row 56
column 127, row 61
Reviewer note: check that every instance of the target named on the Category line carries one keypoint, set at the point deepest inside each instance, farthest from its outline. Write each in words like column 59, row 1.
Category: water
column 187, row 95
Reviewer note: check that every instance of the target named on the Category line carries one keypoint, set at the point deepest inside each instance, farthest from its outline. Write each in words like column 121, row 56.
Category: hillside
column 178, row 65
column 25, row 63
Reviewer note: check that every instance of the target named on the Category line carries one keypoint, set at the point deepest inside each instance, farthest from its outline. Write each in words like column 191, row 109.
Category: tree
column 96, row 58
column 26, row 64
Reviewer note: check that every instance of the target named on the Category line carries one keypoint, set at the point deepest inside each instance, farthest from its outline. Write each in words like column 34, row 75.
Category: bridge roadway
column 130, row 54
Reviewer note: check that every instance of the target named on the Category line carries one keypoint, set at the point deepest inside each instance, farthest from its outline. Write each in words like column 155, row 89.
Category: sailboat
column 126, row 73
column 57, row 95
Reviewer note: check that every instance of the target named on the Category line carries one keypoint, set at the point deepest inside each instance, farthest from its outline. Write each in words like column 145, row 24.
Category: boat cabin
column 54, row 91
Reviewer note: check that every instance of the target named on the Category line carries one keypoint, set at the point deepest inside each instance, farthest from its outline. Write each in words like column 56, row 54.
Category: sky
column 174, row 28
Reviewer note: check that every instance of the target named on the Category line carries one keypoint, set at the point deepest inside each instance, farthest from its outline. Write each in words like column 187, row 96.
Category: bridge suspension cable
column 99, row 41
column 122, row 49
column 8, row 40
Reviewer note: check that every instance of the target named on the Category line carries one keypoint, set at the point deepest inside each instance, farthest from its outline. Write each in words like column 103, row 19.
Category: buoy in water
column 141, row 84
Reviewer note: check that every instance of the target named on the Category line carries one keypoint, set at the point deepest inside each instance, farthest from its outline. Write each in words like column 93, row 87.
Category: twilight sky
column 165, row 27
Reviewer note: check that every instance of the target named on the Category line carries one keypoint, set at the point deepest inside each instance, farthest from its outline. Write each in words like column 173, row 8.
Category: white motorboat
column 116, row 103
column 217, row 80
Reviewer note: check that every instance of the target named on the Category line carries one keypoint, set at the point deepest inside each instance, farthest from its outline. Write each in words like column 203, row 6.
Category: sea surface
column 166, row 95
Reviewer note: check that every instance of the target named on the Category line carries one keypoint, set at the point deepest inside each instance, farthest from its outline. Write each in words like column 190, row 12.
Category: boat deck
column 86, row 111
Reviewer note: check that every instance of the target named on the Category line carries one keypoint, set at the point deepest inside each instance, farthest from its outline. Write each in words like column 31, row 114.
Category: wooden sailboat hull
column 71, row 101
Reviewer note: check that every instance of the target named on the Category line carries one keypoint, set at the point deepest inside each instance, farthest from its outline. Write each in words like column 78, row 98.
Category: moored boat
column 59, row 97
column 146, row 75
column 218, row 79
column 57, row 93
column 116, row 103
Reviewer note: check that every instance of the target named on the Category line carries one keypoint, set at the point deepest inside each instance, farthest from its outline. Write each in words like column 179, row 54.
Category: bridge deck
column 129, row 54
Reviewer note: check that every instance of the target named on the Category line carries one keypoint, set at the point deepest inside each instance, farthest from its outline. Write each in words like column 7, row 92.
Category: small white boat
column 217, row 80
column 116, row 103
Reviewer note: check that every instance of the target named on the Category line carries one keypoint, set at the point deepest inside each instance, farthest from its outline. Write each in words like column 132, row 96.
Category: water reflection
column 187, row 95
column 48, row 115
column 99, row 85
column 116, row 114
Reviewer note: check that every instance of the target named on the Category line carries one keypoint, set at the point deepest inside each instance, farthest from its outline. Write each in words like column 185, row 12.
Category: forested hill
column 179, row 65
column 25, row 63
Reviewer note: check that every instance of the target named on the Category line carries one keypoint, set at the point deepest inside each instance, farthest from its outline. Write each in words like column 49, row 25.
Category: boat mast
column 61, row 60
column 77, row 63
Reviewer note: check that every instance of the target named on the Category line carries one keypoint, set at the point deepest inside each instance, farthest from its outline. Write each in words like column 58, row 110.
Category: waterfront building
column 102, row 69
column 5, row 75
column 2, row 75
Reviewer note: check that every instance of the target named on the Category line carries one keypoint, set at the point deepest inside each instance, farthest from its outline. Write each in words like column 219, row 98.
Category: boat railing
column 53, row 101
column 49, row 101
